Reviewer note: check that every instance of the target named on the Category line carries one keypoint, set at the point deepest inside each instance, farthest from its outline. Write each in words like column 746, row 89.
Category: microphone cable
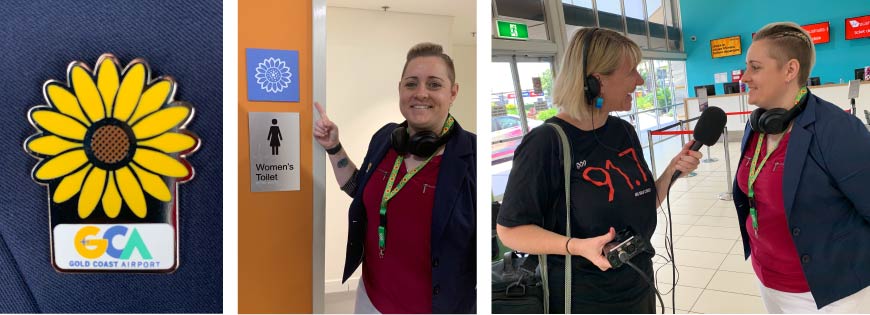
column 648, row 281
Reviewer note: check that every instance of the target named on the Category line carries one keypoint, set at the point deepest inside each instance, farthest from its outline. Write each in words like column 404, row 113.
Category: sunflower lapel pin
column 112, row 145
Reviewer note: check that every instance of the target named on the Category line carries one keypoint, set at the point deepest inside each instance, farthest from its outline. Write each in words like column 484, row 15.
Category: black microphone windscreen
column 710, row 125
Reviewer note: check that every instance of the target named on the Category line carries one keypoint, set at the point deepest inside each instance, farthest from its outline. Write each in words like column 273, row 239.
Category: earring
column 599, row 102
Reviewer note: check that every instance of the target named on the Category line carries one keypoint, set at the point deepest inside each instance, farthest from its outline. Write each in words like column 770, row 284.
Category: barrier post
column 727, row 195
column 652, row 156
column 710, row 158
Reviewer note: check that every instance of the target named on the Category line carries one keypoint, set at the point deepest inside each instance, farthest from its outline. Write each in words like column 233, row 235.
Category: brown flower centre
column 110, row 144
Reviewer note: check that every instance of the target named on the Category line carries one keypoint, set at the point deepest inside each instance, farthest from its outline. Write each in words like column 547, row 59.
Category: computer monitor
column 814, row 81
column 859, row 74
column 732, row 87
column 711, row 90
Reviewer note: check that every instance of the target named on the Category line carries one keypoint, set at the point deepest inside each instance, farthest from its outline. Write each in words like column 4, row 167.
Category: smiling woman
column 611, row 187
column 803, row 237
column 423, row 260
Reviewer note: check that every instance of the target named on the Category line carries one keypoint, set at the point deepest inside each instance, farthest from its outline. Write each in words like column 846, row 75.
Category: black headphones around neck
column 775, row 120
column 591, row 86
column 424, row 143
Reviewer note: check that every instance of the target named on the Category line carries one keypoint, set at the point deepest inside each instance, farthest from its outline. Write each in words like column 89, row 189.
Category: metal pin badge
column 112, row 148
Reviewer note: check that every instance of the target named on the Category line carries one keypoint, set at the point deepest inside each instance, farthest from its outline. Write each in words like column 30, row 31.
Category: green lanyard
column 754, row 171
column 389, row 192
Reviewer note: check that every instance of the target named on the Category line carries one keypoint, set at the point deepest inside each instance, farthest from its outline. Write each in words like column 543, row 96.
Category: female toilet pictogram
column 274, row 137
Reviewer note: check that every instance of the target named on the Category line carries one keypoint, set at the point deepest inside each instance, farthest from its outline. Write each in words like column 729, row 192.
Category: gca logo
column 89, row 245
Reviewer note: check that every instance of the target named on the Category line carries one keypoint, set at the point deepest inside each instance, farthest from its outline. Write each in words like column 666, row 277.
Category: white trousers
column 778, row 302
column 363, row 304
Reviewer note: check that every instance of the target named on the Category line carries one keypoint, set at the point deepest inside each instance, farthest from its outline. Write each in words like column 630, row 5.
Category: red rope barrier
column 664, row 133
column 739, row 113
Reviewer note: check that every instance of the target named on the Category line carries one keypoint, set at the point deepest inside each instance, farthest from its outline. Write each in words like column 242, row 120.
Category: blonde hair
column 604, row 55
column 430, row 50
column 790, row 41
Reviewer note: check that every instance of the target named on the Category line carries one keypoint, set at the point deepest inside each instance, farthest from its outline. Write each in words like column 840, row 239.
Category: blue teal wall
column 716, row 19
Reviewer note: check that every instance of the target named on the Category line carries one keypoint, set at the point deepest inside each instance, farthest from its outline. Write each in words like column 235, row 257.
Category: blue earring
column 599, row 102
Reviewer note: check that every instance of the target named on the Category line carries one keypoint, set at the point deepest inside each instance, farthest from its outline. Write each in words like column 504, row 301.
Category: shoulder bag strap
column 566, row 164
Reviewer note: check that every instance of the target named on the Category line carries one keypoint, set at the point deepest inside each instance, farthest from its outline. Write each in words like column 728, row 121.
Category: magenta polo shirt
column 401, row 281
column 774, row 256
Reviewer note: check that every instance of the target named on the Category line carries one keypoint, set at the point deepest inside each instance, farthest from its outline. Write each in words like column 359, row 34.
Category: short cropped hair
column 429, row 50
column 605, row 53
column 790, row 41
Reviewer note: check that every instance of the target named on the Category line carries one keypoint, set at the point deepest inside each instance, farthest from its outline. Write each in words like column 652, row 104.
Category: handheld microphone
column 707, row 130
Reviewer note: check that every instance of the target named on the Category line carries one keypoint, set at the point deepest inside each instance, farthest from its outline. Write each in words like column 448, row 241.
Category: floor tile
column 736, row 263
column 339, row 302
column 702, row 189
column 698, row 259
column 716, row 221
column 685, row 298
column 712, row 301
column 686, row 276
column 704, row 244
column 715, row 211
column 724, row 204
column 706, row 196
column 689, row 209
column 735, row 282
column 728, row 233
column 679, row 229
column 737, row 249
column 684, row 218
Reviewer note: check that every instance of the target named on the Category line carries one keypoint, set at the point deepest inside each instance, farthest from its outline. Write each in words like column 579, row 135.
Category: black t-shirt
column 611, row 186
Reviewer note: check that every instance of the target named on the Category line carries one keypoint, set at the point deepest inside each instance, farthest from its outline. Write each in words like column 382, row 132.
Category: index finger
column 320, row 109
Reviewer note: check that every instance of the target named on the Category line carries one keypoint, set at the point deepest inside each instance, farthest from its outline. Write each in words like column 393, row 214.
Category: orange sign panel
column 724, row 47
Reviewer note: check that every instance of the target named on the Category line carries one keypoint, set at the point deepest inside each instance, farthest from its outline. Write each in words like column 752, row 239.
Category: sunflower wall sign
column 112, row 145
column 272, row 74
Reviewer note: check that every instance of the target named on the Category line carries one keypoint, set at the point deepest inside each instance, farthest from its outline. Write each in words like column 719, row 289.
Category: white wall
column 365, row 53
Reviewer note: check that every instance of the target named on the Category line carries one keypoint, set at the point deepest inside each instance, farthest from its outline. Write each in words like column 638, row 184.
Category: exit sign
column 512, row 30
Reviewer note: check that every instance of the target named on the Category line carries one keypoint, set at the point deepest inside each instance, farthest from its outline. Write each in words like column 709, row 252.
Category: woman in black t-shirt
column 611, row 185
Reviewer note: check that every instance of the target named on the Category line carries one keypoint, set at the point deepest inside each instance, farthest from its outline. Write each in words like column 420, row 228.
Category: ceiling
column 462, row 11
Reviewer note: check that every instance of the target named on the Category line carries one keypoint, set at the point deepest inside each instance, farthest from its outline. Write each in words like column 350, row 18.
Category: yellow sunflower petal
column 92, row 191
column 170, row 142
column 87, row 93
column 152, row 184
column 59, row 124
column 70, row 185
column 51, row 145
column 112, row 198
column 65, row 102
column 61, row 165
column 160, row 122
column 160, row 163
column 154, row 97
column 108, row 82
column 131, row 191
column 129, row 92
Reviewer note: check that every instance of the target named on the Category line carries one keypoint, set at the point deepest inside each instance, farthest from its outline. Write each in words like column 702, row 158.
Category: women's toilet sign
column 274, row 145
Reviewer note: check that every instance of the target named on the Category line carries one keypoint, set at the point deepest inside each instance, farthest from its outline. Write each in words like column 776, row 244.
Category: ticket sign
column 819, row 32
column 274, row 141
column 858, row 27
column 512, row 30
column 724, row 47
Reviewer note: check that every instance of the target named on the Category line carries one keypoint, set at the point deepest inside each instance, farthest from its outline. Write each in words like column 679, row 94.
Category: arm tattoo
column 342, row 163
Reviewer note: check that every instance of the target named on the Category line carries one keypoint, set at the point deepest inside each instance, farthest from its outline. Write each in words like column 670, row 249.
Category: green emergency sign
column 512, row 30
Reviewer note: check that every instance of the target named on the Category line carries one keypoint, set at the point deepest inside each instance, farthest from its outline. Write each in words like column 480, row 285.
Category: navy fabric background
column 38, row 39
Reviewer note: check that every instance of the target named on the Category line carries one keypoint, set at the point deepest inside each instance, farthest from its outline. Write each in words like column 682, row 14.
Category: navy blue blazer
column 826, row 191
column 454, row 220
